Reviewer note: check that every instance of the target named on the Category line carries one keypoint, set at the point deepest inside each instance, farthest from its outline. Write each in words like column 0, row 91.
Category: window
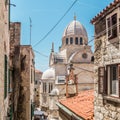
column 50, row 87
column 31, row 76
column 81, row 41
column 44, row 87
column 67, row 41
column 58, row 60
column 113, row 72
column 76, row 40
column 84, row 55
column 109, row 83
column 10, row 80
column 36, row 82
column 112, row 26
column 61, row 80
column 5, row 76
column 71, row 40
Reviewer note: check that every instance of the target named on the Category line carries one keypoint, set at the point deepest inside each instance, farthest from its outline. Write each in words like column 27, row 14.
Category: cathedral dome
column 73, row 30
column 55, row 91
column 49, row 74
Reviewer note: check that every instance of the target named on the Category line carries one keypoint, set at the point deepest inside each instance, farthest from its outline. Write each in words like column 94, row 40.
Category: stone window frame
column 111, row 29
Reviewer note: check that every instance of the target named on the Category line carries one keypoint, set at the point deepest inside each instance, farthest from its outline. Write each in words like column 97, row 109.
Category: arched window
column 50, row 87
column 76, row 40
column 71, row 40
column 81, row 41
column 67, row 41
column 44, row 87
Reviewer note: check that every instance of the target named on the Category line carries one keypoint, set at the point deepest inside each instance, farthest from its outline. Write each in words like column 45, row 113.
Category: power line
column 41, row 53
column 56, row 23
column 84, row 69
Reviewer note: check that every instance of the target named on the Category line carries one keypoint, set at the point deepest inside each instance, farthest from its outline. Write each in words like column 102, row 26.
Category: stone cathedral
column 76, row 51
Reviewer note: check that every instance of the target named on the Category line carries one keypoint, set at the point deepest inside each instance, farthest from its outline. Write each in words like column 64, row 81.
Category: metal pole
column 30, row 28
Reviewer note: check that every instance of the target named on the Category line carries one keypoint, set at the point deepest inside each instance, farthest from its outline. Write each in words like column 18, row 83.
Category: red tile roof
column 81, row 105
column 111, row 5
column 38, row 71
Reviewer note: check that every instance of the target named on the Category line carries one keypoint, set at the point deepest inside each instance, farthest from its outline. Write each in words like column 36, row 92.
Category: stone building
column 37, row 83
column 26, row 93
column 75, row 50
column 4, row 58
column 14, row 69
column 21, row 76
column 107, row 63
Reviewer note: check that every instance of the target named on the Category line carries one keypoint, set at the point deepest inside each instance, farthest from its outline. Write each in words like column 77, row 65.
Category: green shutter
column 11, row 112
column 32, row 111
column 5, row 76
column 31, row 76
column 9, row 80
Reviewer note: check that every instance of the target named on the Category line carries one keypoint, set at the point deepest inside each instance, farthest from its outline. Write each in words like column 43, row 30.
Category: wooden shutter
column 119, row 78
column 101, row 80
column 105, row 82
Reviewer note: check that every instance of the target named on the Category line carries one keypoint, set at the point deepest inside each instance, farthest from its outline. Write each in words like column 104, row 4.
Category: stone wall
column 27, row 83
column 37, row 85
column 4, row 50
column 15, row 29
column 106, row 53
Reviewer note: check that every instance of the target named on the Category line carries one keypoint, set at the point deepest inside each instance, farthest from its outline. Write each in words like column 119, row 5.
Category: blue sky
column 44, row 15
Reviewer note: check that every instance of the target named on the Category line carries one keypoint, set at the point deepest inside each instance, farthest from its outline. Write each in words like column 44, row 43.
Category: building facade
column 74, row 50
column 14, row 69
column 26, row 92
column 21, row 76
column 4, row 58
column 37, row 84
column 107, row 63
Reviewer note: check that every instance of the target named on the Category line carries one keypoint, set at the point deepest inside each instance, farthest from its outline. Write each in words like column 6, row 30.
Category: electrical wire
column 41, row 53
column 83, row 69
column 56, row 23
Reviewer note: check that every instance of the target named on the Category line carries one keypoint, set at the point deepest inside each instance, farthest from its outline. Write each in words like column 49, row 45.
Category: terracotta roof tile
column 38, row 71
column 114, row 3
column 81, row 105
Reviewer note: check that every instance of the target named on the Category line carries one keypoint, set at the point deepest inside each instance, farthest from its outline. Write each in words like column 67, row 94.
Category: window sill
column 113, row 99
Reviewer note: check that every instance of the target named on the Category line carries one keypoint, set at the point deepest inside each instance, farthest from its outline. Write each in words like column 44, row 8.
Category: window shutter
column 32, row 111
column 31, row 75
column 102, row 81
column 105, row 82
column 119, row 77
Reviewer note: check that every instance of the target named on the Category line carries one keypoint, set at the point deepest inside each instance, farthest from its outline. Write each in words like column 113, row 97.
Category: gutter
column 68, row 111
